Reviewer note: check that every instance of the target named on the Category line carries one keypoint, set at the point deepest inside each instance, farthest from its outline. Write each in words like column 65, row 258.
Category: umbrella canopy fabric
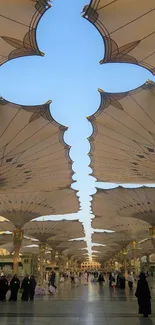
column 127, row 29
column 18, row 25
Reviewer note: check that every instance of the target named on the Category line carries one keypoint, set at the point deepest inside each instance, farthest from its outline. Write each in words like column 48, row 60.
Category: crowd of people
column 116, row 280
column 26, row 287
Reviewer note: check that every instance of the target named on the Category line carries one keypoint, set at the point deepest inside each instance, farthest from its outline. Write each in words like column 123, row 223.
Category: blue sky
column 69, row 74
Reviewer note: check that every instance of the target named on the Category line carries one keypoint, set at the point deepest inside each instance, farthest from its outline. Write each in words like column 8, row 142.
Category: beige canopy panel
column 123, row 142
column 146, row 248
column 33, row 154
column 118, row 223
column 73, row 245
column 75, row 248
column 127, row 28
column 120, row 238
column 9, row 245
column 5, row 238
column 19, row 208
column 6, row 226
column 28, row 249
column 18, row 24
column 58, row 230
column 120, row 205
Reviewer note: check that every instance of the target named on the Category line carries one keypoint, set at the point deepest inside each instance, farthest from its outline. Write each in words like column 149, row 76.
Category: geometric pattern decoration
column 54, row 230
column 123, row 141
column 33, row 154
column 127, row 29
column 18, row 24
column 19, row 208
column 126, row 207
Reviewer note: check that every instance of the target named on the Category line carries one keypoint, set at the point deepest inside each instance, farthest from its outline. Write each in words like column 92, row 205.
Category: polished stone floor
column 83, row 305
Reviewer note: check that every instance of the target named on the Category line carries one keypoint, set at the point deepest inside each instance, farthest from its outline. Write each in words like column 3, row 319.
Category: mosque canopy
column 146, row 248
column 123, row 141
column 74, row 248
column 127, row 29
column 18, row 25
column 57, row 230
column 116, row 241
column 10, row 248
column 78, row 245
column 33, row 154
column 19, row 208
column 124, row 208
column 111, row 238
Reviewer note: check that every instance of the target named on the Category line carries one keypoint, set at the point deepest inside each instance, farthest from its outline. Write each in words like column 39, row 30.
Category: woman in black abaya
column 14, row 287
column 143, row 295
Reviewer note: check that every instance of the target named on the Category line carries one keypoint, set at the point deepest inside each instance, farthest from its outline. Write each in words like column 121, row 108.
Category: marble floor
column 83, row 305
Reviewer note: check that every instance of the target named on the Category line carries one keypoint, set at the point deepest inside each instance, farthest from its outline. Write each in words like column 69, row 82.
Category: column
column 124, row 253
column 134, row 255
column 152, row 234
column 42, row 247
column 53, row 253
column 17, row 241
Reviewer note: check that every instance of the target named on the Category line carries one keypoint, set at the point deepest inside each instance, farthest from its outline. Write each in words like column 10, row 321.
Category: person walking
column 14, row 287
column 101, row 278
column 3, row 287
column 26, row 285
column 110, row 279
column 122, row 281
column 52, row 279
column 143, row 295
column 85, row 278
column 33, row 284
column 130, row 280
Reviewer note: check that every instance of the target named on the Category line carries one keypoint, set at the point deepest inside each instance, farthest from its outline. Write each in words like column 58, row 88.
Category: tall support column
column 53, row 256
column 134, row 255
column 118, row 257
column 42, row 247
column 152, row 234
column 124, row 255
column 17, row 241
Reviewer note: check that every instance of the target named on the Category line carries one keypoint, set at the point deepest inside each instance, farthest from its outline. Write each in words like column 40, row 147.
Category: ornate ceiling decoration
column 123, row 142
column 18, row 25
column 19, row 208
column 126, row 207
column 56, row 230
column 127, row 30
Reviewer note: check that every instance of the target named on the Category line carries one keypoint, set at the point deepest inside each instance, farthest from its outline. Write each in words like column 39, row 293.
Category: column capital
column 133, row 245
